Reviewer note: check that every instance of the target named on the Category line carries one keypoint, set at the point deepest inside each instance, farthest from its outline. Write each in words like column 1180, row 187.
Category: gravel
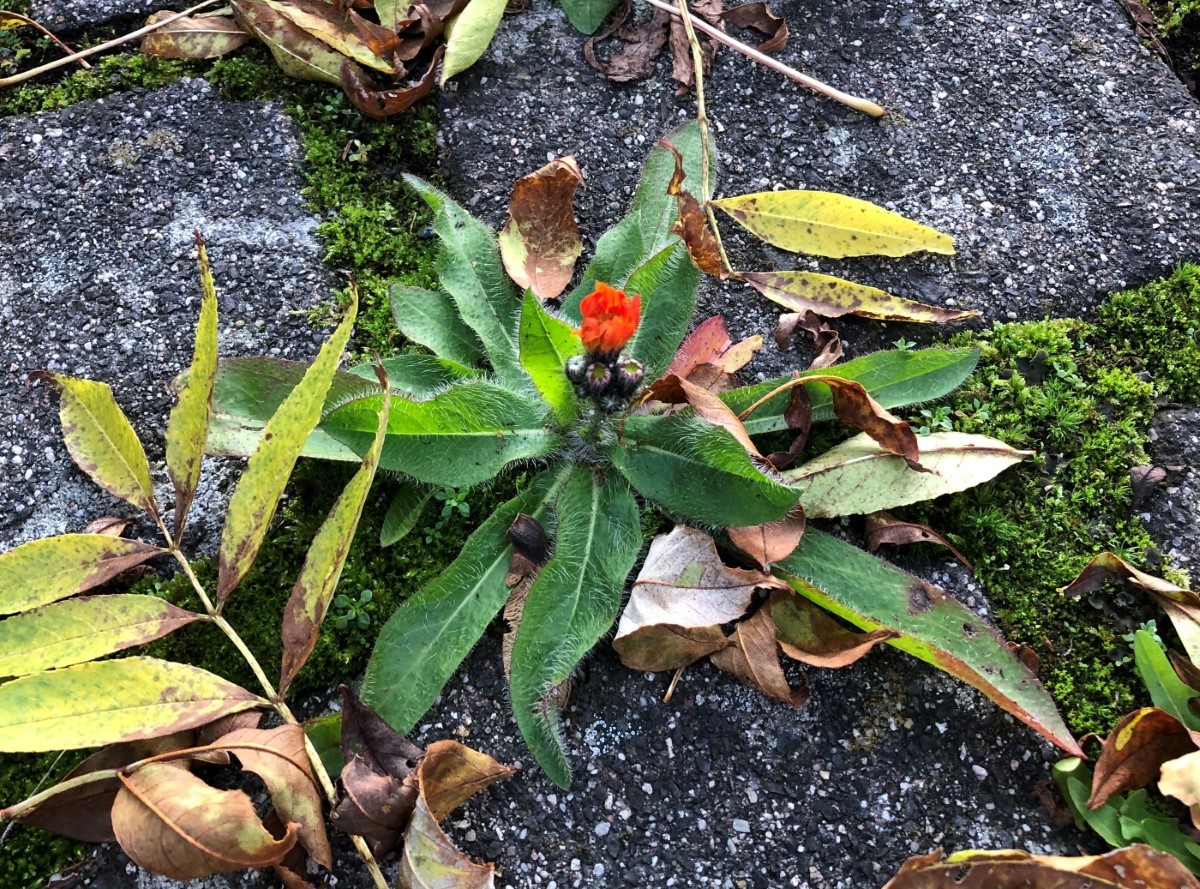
column 98, row 275
column 1172, row 513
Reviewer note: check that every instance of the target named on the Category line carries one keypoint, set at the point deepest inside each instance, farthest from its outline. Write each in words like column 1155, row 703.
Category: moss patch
column 1081, row 396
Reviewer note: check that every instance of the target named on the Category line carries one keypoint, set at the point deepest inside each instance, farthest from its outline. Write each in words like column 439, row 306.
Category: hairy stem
column 100, row 47
column 864, row 105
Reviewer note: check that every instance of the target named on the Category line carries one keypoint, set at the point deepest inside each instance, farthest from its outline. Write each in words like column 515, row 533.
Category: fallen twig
column 9, row 14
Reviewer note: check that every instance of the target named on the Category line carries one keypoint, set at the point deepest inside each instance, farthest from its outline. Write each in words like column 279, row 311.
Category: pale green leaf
column 1167, row 690
column 588, row 15
column 84, row 629
column 402, row 515
column 44, row 571
column 256, row 497
column 824, row 223
column 187, row 428
column 571, row 604
column 546, row 344
column 90, row 705
column 468, row 35
column 832, row 297
column 858, row 476
column 431, row 318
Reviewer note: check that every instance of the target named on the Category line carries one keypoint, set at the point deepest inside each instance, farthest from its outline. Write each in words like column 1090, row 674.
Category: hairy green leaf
column 402, row 515
column 256, row 497
column 187, row 428
column 698, row 471
column 470, row 270
column 667, row 284
column 425, row 640
column 934, row 627
column 431, row 318
column 546, row 344
column 84, row 629
column 893, row 378
column 462, row 437
column 44, row 571
column 571, row 604
column 90, row 705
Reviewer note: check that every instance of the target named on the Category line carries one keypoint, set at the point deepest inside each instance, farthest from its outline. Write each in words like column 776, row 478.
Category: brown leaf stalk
column 277, row 702
column 101, row 47
column 864, row 105
column 702, row 120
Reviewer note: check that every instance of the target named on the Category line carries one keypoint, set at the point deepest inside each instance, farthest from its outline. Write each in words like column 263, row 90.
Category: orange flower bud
column 609, row 319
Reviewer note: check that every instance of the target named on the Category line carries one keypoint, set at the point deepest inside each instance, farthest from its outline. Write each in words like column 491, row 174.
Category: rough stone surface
column 72, row 14
column 1173, row 510
column 98, row 275
column 1063, row 158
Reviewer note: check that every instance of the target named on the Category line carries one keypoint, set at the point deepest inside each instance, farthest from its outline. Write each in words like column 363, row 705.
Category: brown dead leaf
column 171, row 822
column 759, row 17
column 807, row 633
column 449, row 775
column 770, row 542
column 1134, row 867
column 681, row 597
column 753, row 657
column 826, row 341
column 682, row 68
column 540, row 242
column 110, row 525
column 1135, row 752
column 378, row 779
column 1181, row 780
column 1028, row 657
column 675, row 390
column 883, row 527
column 375, row 101
column 709, row 358
column 642, row 45
column 85, row 812
column 692, row 224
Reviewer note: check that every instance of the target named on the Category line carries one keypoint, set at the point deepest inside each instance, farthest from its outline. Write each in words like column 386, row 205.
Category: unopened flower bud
column 597, row 377
column 577, row 366
column 629, row 375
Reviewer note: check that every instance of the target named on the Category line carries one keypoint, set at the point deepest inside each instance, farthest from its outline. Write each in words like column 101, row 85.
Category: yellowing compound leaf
column 84, row 629
column 377, row 102
column 1182, row 606
column 194, row 37
column 1135, row 867
column 832, row 297
column 808, row 634
column 753, row 657
column 322, row 21
column 171, row 822
column 681, row 597
column 314, row 589
column 470, row 32
column 90, row 705
column 448, row 776
column 101, row 441
column 297, row 53
column 858, row 476
column 256, row 497
column 540, row 242
column 772, row 541
column 834, row 225
column 187, row 428
column 44, row 571
column 1135, row 751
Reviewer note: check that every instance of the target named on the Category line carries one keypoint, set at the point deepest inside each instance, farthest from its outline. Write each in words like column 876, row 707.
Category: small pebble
column 603, row 828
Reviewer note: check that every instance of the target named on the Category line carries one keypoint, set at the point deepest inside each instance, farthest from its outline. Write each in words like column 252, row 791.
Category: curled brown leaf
column 826, row 341
column 753, row 657
column 883, row 527
column 540, row 242
column 692, row 224
column 375, row 101
column 772, row 541
column 1135, row 751
column 807, row 633
column 760, row 17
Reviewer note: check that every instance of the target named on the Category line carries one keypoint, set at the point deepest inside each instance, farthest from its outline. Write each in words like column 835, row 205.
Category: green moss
column 1059, row 389
column 1173, row 15
column 109, row 74
column 29, row 855
column 1158, row 328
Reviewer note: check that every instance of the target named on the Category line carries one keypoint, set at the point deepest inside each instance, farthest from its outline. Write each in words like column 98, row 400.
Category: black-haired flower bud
column 597, row 377
column 577, row 366
column 629, row 373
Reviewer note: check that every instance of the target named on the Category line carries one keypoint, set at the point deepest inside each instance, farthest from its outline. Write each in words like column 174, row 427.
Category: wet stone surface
column 72, row 14
column 100, row 202
column 1172, row 511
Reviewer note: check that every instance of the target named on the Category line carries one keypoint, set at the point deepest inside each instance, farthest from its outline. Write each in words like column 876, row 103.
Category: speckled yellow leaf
column 826, row 224
column 832, row 297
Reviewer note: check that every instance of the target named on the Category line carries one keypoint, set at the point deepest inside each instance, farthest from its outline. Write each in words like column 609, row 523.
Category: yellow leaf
column 826, row 224
column 832, row 297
